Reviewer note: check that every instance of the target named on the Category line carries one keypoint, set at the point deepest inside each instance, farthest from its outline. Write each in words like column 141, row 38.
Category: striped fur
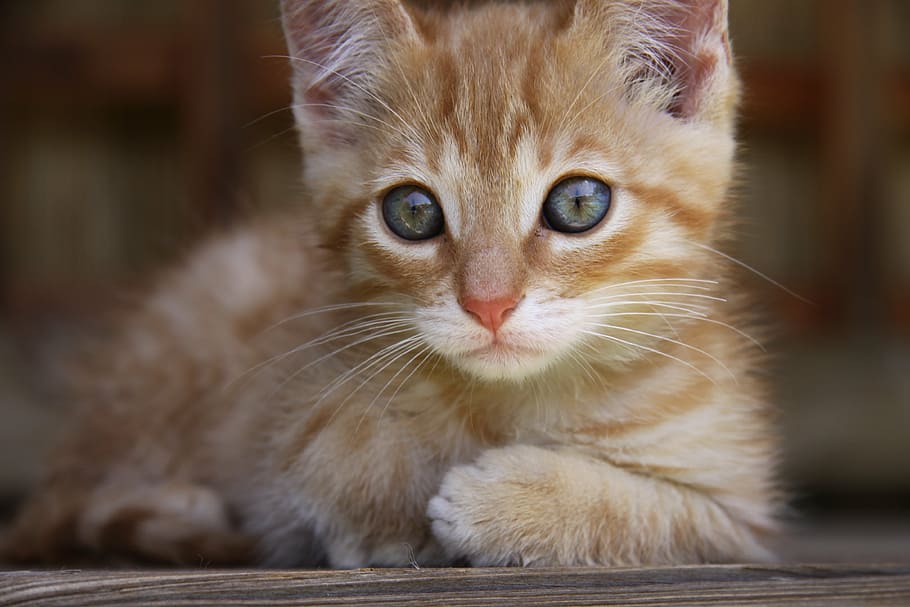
column 310, row 389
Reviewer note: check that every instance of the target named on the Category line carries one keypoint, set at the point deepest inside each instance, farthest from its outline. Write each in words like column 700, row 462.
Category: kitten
column 493, row 330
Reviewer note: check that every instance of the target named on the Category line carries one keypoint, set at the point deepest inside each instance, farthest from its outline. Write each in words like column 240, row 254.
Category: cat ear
column 673, row 53
column 336, row 49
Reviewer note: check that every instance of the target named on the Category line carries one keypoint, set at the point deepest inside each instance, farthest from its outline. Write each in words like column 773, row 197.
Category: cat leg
column 531, row 506
column 361, row 485
column 177, row 523
column 44, row 531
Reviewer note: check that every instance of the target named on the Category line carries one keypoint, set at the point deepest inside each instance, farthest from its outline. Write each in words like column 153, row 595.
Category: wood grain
column 712, row 585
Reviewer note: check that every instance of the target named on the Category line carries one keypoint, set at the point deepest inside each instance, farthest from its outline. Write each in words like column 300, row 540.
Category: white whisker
column 330, row 308
column 309, row 365
column 594, row 73
column 688, row 283
column 424, row 117
column 666, row 321
column 719, row 323
column 402, row 349
column 358, row 86
column 265, row 116
column 587, row 369
column 269, row 139
column 746, row 266
column 595, row 100
column 366, row 364
column 664, row 294
column 634, row 345
column 348, row 329
column 672, row 341
column 690, row 309
column 342, row 108
column 426, row 352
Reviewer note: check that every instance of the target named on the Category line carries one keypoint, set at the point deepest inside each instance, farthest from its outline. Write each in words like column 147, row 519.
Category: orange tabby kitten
column 494, row 330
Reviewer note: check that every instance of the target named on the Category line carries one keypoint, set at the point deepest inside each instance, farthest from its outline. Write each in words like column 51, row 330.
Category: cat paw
column 173, row 523
column 505, row 509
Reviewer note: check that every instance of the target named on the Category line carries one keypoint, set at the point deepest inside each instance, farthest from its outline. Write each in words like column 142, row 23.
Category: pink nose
column 491, row 313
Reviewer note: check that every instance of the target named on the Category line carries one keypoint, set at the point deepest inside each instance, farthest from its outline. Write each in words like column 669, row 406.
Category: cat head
column 518, row 175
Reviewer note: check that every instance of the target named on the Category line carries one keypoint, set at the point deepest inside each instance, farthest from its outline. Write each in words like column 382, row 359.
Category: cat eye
column 412, row 213
column 577, row 204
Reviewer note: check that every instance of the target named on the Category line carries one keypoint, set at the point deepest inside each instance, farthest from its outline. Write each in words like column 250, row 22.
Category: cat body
column 420, row 364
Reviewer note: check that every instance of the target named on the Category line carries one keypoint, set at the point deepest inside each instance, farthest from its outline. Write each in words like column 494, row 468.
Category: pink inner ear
column 337, row 47
column 682, row 46
column 311, row 28
column 323, row 117
column 701, row 36
column 693, row 80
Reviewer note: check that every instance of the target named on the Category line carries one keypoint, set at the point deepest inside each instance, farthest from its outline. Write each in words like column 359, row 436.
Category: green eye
column 412, row 213
column 576, row 204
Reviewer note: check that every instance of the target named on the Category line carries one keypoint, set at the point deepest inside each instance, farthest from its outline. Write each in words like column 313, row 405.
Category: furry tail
column 168, row 524
column 44, row 533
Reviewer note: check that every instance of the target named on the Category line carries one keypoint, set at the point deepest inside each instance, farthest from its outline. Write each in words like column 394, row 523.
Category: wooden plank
column 709, row 585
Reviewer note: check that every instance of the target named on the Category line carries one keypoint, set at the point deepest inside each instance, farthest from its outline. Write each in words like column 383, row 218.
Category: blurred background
column 130, row 129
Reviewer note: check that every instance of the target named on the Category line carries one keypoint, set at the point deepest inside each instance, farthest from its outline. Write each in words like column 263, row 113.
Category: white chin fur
column 503, row 365
column 537, row 334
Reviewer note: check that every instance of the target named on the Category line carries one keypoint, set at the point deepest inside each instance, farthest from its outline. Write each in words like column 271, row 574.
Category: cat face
column 532, row 188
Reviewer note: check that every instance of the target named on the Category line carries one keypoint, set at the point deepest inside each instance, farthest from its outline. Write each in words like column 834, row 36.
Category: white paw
column 458, row 523
column 496, row 511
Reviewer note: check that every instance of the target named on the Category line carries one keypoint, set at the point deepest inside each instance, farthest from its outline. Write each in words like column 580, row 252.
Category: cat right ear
column 336, row 48
column 673, row 54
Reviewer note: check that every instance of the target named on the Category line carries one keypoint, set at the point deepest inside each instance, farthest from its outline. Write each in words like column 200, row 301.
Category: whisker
column 666, row 294
column 269, row 139
column 634, row 345
column 309, row 365
column 265, row 116
column 426, row 352
column 643, row 288
column 348, row 329
column 587, row 368
column 362, row 341
column 690, row 309
column 364, row 365
column 666, row 320
column 595, row 100
column 694, row 283
column 403, row 349
column 594, row 73
column 329, row 308
column 746, row 266
column 424, row 118
column 672, row 341
column 665, row 285
column 342, row 108
column 719, row 323
column 358, row 86
column 642, row 281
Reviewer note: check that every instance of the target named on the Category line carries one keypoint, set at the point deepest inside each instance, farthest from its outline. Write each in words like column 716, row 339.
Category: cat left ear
column 337, row 47
column 674, row 54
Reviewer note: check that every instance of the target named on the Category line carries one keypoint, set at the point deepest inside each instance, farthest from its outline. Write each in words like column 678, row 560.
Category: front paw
column 508, row 508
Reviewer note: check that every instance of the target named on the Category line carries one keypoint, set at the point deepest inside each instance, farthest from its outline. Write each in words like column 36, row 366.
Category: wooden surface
column 823, row 585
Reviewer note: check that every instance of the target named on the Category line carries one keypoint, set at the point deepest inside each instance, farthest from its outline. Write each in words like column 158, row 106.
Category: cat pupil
column 577, row 204
column 412, row 213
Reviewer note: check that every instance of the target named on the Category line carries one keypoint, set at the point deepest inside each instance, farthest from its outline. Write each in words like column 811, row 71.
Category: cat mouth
column 498, row 348
column 500, row 360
